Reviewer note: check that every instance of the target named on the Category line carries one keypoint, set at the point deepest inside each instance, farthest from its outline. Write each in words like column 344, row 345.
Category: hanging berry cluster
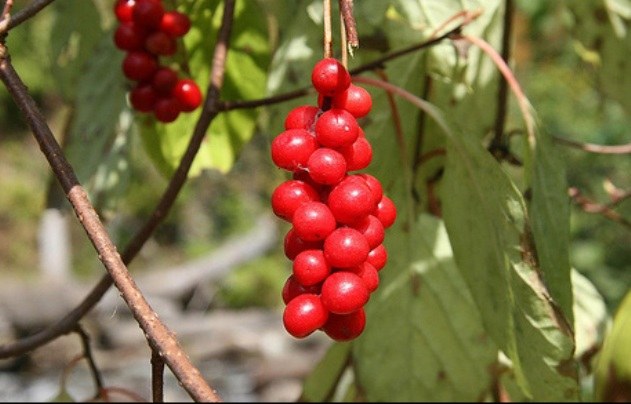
column 338, row 217
column 146, row 32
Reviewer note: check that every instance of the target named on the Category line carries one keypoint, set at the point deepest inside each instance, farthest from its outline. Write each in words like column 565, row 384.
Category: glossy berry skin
column 304, row 314
column 293, row 288
column 164, row 80
column 336, row 128
column 386, row 211
column 160, row 43
column 148, row 13
column 292, row 148
column 345, row 327
column 139, row 65
column 123, row 9
column 358, row 155
column 345, row 248
column 166, row 109
column 376, row 189
column 378, row 257
column 301, row 117
column 143, row 97
column 175, row 24
column 129, row 37
column 326, row 166
column 289, row 195
column 188, row 94
column 294, row 245
column 372, row 229
column 344, row 292
column 329, row 77
column 355, row 100
column 351, row 200
column 313, row 221
column 310, row 267
column 369, row 275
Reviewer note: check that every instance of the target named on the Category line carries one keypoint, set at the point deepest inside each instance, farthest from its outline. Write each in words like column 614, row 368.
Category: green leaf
column 613, row 367
column 424, row 339
column 245, row 78
column 489, row 229
column 320, row 384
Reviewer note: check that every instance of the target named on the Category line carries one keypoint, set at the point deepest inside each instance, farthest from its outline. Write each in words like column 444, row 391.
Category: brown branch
column 24, row 14
column 606, row 210
column 346, row 10
column 87, row 354
column 157, row 377
column 595, row 148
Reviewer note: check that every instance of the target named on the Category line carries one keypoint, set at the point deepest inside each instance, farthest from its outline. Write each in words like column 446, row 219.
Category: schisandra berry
column 304, row 314
column 310, row 267
column 330, row 77
column 346, row 247
column 313, row 221
column 345, row 327
column 344, row 292
column 289, row 195
column 292, row 148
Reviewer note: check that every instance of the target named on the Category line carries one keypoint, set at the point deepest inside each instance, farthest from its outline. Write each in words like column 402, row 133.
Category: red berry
column 336, row 128
column 293, row 288
column 345, row 327
column 378, row 257
column 310, row 267
column 329, row 77
column 355, row 100
column 293, row 245
column 129, row 37
column 160, row 43
column 313, row 221
column 344, row 292
column 143, row 97
column 148, row 13
column 302, row 117
column 123, row 9
column 369, row 275
column 351, row 200
column 386, row 211
column 358, row 155
column 326, row 166
column 372, row 229
column 166, row 109
column 139, row 65
column 164, row 80
column 289, row 195
column 188, row 94
column 345, row 247
column 292, row 148
column 374, row 184
column 175, row 24
column 304, row 314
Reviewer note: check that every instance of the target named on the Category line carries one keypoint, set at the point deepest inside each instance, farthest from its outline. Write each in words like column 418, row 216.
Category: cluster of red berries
column 338, row 217
column 146, row 32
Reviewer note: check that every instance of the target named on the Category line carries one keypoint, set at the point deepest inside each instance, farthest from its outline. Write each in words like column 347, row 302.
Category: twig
column 157, row 377
column 24, row 14
column 87, row 354
column 328, row 33
column 606, row 210
column 595, row 148
column 350, row 27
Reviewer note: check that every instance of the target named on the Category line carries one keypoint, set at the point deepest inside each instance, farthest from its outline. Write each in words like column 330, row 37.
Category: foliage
column 483, row 295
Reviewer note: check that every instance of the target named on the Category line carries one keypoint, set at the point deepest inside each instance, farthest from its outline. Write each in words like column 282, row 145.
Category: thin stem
column 344, row 43
column 595, row 148
column 24, row 14
column 87, row 354
column 157, row 377
column 350, row 37
column 328, row 33
column 606, row 210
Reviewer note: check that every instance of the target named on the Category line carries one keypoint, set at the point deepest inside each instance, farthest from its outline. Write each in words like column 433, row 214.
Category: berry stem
column 328, row 34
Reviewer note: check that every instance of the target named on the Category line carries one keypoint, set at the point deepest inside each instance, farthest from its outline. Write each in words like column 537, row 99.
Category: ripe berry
column 301, row 117
column 344, row 292
column 160, row 43
column 358, row 155
column 326, row 166
column 345, row 327
column 292, row 148
column 345, row 248
column 175, row 24
column 304, row 314
column 336, row 128
column 139, row 65
column 143, row 97
column 148, row 13
column 123, row 9
column 313, row 221
column 294, row 245
column 310, row 267
column 329, row 77
column 378, row 257
column 188, row 94
column 376, row 189
column 129, row 37
column 289, row 195
column 386, row 211
column 164, row 80
column 372, row 229
column 369, row 275
column 293, row 288
column 166, row 109
column 351, row 200
column 355, row 100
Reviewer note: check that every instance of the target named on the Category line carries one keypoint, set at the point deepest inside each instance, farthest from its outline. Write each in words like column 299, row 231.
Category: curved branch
column 12, row 21
column 595, row 148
